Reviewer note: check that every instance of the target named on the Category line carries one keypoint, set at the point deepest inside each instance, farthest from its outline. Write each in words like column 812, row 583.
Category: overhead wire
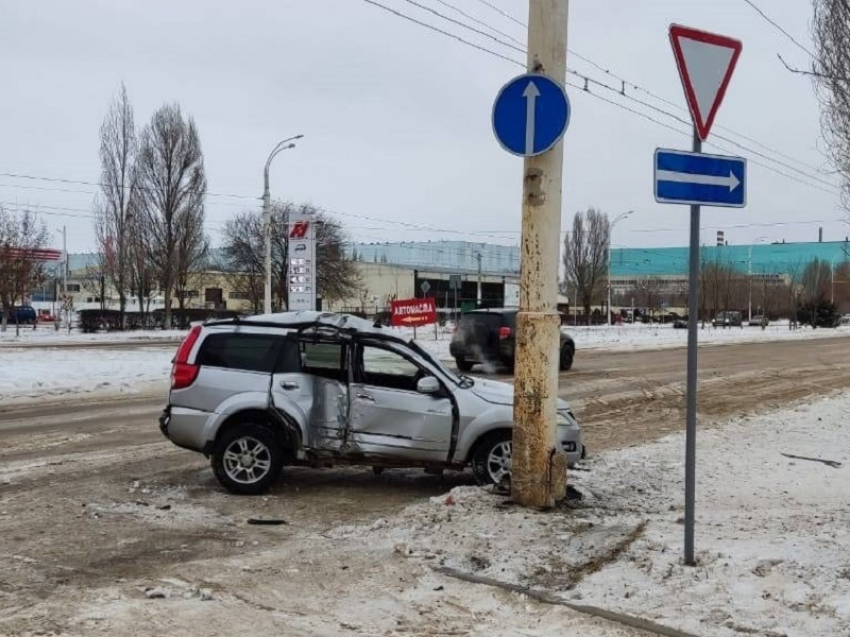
column 626, row 82
column 779, row 28
column 832, row 188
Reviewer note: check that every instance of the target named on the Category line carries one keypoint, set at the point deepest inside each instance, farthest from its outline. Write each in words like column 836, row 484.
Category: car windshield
column 461, row 381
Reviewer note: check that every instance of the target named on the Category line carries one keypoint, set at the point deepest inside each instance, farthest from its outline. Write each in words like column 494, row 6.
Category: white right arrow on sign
column 706, row 62
column 730, row 181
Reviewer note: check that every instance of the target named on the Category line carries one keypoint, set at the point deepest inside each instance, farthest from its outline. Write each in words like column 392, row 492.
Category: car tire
column 491, row 459
column 463, row 365
column 566, row 359
column 247, row 459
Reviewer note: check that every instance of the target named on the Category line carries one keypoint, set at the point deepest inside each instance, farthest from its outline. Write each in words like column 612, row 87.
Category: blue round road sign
column 531, row 114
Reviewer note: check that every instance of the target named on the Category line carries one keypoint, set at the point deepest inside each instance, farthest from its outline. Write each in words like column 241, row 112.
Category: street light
column 750, row 280
column 613, row 223
column 267, row 219
column 832, row 277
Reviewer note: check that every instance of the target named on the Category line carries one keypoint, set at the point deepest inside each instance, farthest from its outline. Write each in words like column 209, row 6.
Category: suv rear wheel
column 567, row 355
column 247, row 459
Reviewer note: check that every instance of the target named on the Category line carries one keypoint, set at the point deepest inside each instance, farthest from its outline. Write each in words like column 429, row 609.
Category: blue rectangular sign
column 696, row 178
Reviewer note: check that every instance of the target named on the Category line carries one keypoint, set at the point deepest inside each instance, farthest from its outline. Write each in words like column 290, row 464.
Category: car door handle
column 288, row 384
column 366, row 397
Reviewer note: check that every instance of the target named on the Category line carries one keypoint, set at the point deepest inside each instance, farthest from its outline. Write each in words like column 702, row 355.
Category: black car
column 489, row 337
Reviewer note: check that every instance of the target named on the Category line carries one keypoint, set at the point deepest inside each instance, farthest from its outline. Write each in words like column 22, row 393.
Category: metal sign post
column 706, row 62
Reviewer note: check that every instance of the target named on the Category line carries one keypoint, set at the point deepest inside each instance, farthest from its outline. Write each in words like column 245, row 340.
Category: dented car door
column 310, row 387
column 389, row 416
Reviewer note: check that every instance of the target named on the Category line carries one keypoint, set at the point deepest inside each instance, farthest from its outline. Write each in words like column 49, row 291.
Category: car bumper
column 186, row 428
column 569, row 438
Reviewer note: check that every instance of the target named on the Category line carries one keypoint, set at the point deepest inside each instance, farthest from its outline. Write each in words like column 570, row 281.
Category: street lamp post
column 832, row 279
column 750, row 281
column 613, row 223
column 286, row 144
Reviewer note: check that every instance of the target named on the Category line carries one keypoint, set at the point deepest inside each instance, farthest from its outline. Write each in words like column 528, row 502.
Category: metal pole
column 691, row 420
column 267, row 241
column 609, row 286
column 750, row 286
column 267, row 221
column 538, row 470
column 478, row 302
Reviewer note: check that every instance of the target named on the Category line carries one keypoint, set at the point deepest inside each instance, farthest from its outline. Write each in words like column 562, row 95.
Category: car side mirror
column 428, row 385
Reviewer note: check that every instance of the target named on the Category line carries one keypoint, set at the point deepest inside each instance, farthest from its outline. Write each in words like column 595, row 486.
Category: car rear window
column 246, row 352
column 492, row 321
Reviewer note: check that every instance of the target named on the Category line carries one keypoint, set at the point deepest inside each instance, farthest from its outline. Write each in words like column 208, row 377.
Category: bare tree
column 646, row 292
column 586, row 256
column 20, row 271
column 172, row 185
column 95, row 278
column 831, row 72
column 795, row 291
column 191, row 257
column 140, row 268
column 337, row 275
column 118, row 198
column 815, row 288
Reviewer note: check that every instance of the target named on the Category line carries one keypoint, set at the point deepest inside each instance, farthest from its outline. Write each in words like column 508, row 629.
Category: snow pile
column 39, row 372
column 773, row 532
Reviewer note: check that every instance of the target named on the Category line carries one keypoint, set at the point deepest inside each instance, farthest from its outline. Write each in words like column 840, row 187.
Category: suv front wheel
column 247, row 459
column 491, row 461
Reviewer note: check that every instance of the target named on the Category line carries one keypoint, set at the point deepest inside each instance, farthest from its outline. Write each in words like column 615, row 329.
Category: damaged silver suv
column 319, row 389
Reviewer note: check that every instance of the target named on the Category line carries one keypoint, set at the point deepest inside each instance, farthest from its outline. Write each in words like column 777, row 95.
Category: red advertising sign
column 413, row 312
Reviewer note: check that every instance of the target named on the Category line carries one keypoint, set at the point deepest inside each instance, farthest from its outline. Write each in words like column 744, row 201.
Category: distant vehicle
column 845, row 320
column 489, row 337
column 23, row 315
column 680, row 323
column 313, row 389
column 759, row 320
column 728, row 319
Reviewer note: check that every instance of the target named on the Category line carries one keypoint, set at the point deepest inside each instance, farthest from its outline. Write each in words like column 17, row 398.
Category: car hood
column 499, row 393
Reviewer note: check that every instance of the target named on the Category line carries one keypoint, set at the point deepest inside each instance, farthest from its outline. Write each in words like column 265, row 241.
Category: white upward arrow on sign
column 706, row 62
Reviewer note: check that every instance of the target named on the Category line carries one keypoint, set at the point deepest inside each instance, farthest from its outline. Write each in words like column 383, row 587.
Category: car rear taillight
column 183, row 374
column 504, row 332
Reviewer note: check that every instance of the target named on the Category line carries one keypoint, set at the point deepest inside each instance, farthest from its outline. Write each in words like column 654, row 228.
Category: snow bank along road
column 99, row 517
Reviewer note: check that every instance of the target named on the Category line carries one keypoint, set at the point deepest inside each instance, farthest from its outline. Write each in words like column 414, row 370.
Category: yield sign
column 706, row 62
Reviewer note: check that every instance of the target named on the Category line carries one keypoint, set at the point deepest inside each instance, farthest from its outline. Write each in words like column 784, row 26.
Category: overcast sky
column 396, row 118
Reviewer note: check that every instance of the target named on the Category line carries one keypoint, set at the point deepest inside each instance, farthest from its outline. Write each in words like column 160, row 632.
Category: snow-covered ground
column 647, row 337
column 47, row 335
column 772, row 535
column 27, row 372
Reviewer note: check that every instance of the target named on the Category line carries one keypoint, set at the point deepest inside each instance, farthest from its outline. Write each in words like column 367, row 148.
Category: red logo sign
column 413, row 312
column 299, row 230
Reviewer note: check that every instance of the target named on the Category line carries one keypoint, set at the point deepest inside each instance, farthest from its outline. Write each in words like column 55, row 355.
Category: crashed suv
column 319, row 389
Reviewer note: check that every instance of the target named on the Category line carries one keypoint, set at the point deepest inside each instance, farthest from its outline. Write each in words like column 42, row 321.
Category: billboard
column 413, row 312
column 301, row 253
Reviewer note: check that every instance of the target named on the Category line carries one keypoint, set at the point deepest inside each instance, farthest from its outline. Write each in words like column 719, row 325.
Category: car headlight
column 564, row 418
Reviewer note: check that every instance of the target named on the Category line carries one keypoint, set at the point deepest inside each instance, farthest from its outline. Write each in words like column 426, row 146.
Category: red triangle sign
column 706, row 62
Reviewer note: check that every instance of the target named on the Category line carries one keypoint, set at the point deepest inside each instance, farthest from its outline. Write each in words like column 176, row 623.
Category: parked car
column 489, row 337
column 845, row 320
column 728, row 319
column 23, row 315
column 318, row 389
column 759, row 320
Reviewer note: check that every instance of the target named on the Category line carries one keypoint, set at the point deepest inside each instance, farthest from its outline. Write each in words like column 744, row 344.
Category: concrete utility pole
column 538, row 467
column 267, row 221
